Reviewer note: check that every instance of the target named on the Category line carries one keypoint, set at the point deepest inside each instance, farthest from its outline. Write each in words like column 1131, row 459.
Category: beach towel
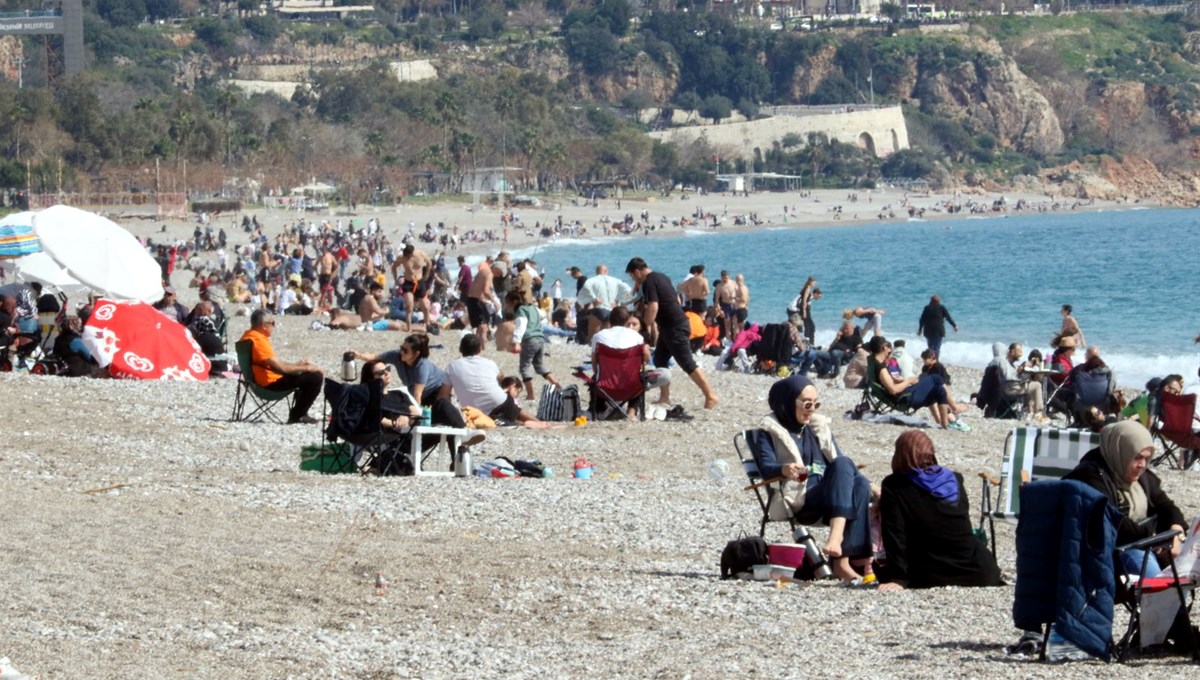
column 892, row 419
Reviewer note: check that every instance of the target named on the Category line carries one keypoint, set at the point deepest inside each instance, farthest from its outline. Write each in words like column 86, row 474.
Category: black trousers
column 307, row 386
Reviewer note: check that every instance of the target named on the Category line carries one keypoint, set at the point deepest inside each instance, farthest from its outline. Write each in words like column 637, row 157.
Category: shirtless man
column 327, row 270
column 741, row 299
column 478, row 294
column 373, row 314
column 724, row 298
column 418, row 272
column 695, row 291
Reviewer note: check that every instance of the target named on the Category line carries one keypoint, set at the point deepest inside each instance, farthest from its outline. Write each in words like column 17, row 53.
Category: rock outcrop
column 991, row 93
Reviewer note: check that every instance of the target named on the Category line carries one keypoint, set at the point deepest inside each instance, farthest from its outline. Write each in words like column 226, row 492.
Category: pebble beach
column 147, row 535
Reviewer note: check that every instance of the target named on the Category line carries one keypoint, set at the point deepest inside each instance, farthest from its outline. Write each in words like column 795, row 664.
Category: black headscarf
column 782, row 400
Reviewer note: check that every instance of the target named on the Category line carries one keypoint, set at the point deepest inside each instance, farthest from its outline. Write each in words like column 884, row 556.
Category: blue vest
column 1065, row 573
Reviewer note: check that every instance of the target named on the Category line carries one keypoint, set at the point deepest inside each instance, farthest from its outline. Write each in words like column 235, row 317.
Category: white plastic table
column 420, row 431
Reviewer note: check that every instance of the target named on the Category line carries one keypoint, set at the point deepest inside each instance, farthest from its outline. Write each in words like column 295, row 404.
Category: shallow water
column 1127, row 273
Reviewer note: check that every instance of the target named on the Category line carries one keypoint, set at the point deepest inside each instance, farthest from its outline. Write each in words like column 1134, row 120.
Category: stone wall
column 879, row 130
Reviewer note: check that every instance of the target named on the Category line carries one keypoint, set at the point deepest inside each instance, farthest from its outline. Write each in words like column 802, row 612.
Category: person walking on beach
column 415, row 284
column 1070, row 327
column 667, row 325
column 932, row 324
column 800, row 311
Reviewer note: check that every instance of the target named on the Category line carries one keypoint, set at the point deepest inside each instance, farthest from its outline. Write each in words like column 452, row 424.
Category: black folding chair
column 355, row 417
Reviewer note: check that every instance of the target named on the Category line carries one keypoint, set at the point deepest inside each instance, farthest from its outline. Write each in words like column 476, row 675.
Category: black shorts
column 741, row 315
column 509, row 410
column 476, row 312
column 675, row 342
column 698, row 305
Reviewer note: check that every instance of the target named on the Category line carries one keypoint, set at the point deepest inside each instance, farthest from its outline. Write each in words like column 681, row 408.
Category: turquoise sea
column 1129, row 275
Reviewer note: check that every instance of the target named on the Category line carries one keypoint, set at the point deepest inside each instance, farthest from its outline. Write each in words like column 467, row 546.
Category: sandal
column 677, row 413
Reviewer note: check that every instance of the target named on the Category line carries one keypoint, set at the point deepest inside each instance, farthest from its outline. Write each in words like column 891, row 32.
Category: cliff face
column 991, row 93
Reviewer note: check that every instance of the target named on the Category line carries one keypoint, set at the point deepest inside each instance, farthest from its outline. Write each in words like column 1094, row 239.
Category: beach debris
column 381, row 583
column 8, row 672
column 103, row 489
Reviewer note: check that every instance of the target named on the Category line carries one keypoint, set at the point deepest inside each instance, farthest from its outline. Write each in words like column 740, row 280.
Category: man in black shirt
column 667, row 325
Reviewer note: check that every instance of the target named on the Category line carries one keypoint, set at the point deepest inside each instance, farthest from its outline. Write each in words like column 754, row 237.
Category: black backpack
column 741, row 555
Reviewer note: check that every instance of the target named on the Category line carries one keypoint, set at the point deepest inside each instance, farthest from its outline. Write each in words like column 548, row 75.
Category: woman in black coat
column 1118, row 470
column 924, row 515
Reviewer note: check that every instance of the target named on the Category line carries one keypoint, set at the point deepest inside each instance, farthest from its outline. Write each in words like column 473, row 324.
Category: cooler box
column 785, row 554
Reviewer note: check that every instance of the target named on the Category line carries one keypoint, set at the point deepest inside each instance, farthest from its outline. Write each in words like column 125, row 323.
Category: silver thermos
column 349, row 369
column 813, row 556
column 462, row 462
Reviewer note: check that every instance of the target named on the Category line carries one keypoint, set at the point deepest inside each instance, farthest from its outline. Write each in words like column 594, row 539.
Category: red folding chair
column 1174, row 428
column 616, row 382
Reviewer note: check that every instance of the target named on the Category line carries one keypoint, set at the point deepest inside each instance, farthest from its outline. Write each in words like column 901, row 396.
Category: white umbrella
column 42, row 268
column 99, row 253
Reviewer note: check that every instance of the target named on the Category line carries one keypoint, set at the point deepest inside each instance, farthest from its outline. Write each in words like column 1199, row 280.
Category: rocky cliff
column 991, row 93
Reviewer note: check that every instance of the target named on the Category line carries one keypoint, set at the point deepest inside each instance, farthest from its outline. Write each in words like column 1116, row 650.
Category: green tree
column 716, row 107
column 485, row 24
column 593, row 47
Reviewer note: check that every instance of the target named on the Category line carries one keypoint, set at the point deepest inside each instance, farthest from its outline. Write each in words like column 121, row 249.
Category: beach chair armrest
column 994, row 481
column 1150, row 541
column 765, row 482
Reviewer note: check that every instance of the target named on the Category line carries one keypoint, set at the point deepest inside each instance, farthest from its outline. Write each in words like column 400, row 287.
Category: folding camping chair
column 617, row 382
column 747, row 444
column 877, row 399
column 1091, row 391
column 354, row 417
column 1030, row 454
column 262, row 401
column 1173, row 428
column 1070, row 522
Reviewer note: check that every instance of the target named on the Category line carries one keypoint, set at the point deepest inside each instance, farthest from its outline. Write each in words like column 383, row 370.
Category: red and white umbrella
column 135, row 340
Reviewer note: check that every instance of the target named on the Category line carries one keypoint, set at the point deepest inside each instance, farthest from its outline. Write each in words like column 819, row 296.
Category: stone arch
column 895, row 141
column 866, row 142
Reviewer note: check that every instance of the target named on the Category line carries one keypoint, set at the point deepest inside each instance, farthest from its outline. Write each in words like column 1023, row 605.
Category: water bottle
column 812, row 555
column 718, row 469
column 426, row 416
column 349, row 370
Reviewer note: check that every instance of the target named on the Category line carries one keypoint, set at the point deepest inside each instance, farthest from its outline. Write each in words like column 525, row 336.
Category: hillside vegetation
column 1099, row 103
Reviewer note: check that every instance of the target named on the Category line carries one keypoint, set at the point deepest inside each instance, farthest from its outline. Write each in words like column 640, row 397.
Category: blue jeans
column 929, row 390
column 1132, row 561
column 841, row 492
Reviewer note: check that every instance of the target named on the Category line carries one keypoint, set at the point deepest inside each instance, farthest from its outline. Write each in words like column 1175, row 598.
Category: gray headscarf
column 1119, row 445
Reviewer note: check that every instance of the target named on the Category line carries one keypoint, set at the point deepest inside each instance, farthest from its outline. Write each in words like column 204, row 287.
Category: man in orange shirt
column 272, row 373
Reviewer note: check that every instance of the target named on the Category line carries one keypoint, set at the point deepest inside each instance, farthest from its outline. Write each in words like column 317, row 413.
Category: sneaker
column 959, row 425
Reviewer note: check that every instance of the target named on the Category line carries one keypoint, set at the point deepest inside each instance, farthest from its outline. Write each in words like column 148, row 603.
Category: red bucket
column 785, row 554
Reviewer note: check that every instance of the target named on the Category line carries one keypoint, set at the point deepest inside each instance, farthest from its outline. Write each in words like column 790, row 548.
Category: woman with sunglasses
column 399, row 408
column 419, row 375
column 822, row 485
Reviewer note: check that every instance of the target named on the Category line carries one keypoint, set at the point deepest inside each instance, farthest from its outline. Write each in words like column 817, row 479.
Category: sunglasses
column 379, row 373
column 809, row 404
column 268, row 323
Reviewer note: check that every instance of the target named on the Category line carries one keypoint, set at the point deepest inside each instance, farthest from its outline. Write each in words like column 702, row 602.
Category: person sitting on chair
column 924, row 390
column 623, row 332
column 1118, row 469
column 823, row 485
column 70, row 348
column 399, row 408
column 1014, row 384
column 272, row 373
column 475, row 380
column 925, row 524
